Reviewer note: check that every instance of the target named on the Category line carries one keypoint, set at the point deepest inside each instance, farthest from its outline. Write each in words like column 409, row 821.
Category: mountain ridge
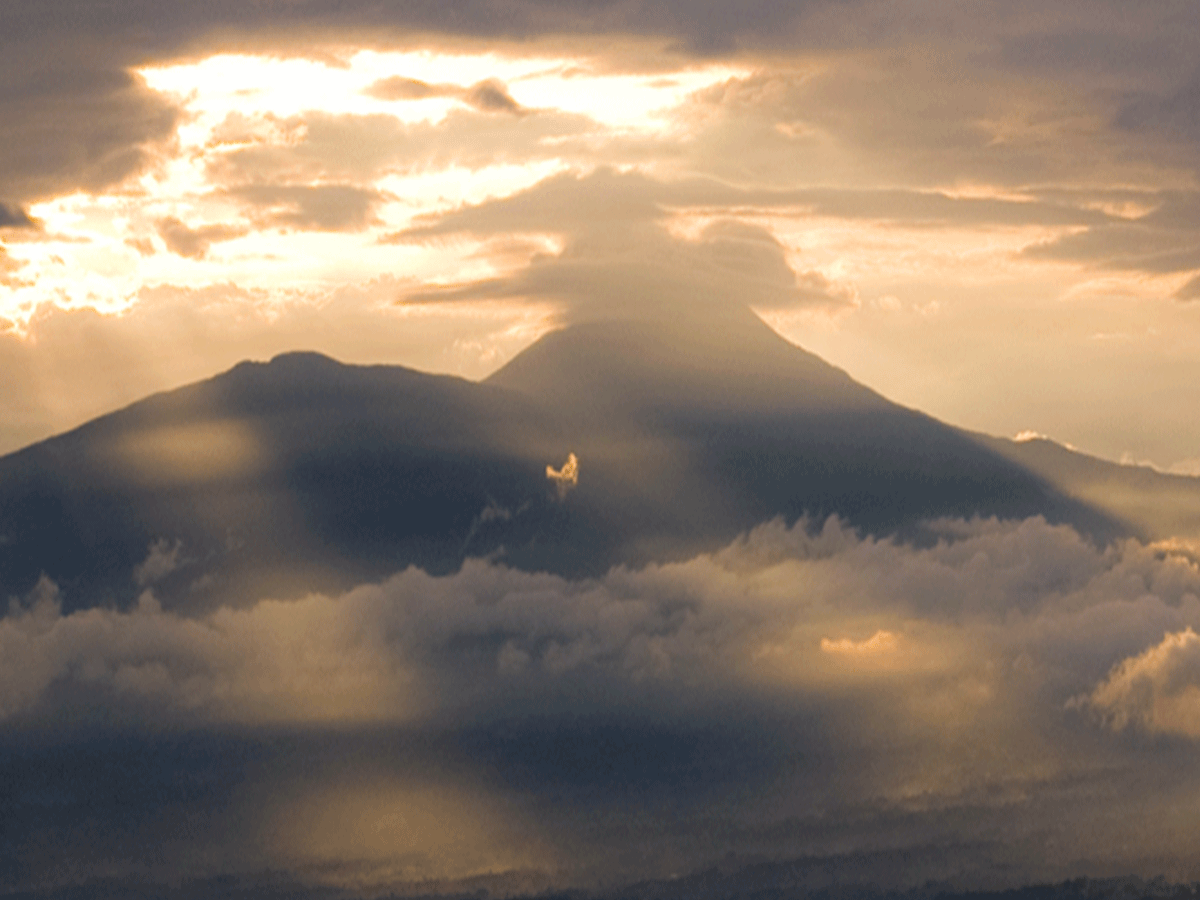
column 304, row 473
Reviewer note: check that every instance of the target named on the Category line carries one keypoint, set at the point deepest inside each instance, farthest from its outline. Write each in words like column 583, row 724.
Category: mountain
column 301, row 474
column 273, row 479
column 1152, row 505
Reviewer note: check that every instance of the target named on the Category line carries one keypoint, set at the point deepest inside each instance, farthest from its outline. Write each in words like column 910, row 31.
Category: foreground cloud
column 1157, row 690
column 803, row 692
column 793, row 609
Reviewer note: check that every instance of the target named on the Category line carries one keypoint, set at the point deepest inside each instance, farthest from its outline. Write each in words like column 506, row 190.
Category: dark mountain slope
column 746, row 426
column 295, row 475
column 303, row 474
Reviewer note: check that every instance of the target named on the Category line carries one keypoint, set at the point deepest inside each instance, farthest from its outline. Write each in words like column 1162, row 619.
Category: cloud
column 603, row 200
column 489, row 96
column 1138, row 246
column 802, row 692
column 1158, row 690
column 72, row 118
column 397, row 87
column 619, row 261
column 8, row 269
column 359, row 149
column 1172, row 114
column 85, row 90
column 388, row 650
column 14, row 217
column 880, row 642
column 161, row 561
column 1185, row 467
column 194, row 242
column 325, row 207
column 565, row 478
column 493, row 97
column 1190, row 290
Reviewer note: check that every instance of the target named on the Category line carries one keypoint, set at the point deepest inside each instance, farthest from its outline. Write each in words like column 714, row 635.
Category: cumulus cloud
column 802, row 691
column 1157, row 690
column 774, row 608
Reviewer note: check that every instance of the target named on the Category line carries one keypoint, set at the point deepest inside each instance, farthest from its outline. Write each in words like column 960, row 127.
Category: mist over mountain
column 305, row 474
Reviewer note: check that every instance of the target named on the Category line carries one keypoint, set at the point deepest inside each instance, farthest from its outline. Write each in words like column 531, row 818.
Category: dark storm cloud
column 619, row 260
column 194, row 242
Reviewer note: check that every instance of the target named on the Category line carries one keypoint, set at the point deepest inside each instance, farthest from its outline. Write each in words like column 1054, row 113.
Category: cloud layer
column 968, row 674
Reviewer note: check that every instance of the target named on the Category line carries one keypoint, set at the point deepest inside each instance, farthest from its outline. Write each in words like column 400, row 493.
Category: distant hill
column 1153, row 505
column 305, row 474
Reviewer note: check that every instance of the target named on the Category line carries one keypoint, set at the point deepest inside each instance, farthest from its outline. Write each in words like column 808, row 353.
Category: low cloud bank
column 804, row 692
column 999, row 612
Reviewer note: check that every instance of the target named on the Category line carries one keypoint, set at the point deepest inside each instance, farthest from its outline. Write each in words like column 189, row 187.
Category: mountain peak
column 734, row 363
column 304, row 358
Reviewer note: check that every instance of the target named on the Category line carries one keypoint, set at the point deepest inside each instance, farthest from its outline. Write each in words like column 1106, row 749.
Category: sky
column 987, row 211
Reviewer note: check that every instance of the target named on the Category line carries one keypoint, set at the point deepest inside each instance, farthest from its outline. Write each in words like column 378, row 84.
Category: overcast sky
column 985, row 210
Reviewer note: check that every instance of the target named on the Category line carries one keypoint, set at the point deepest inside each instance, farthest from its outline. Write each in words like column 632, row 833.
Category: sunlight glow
column 245, row 197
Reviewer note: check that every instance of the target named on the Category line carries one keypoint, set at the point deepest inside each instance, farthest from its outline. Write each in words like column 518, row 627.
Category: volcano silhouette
column 302, row 474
